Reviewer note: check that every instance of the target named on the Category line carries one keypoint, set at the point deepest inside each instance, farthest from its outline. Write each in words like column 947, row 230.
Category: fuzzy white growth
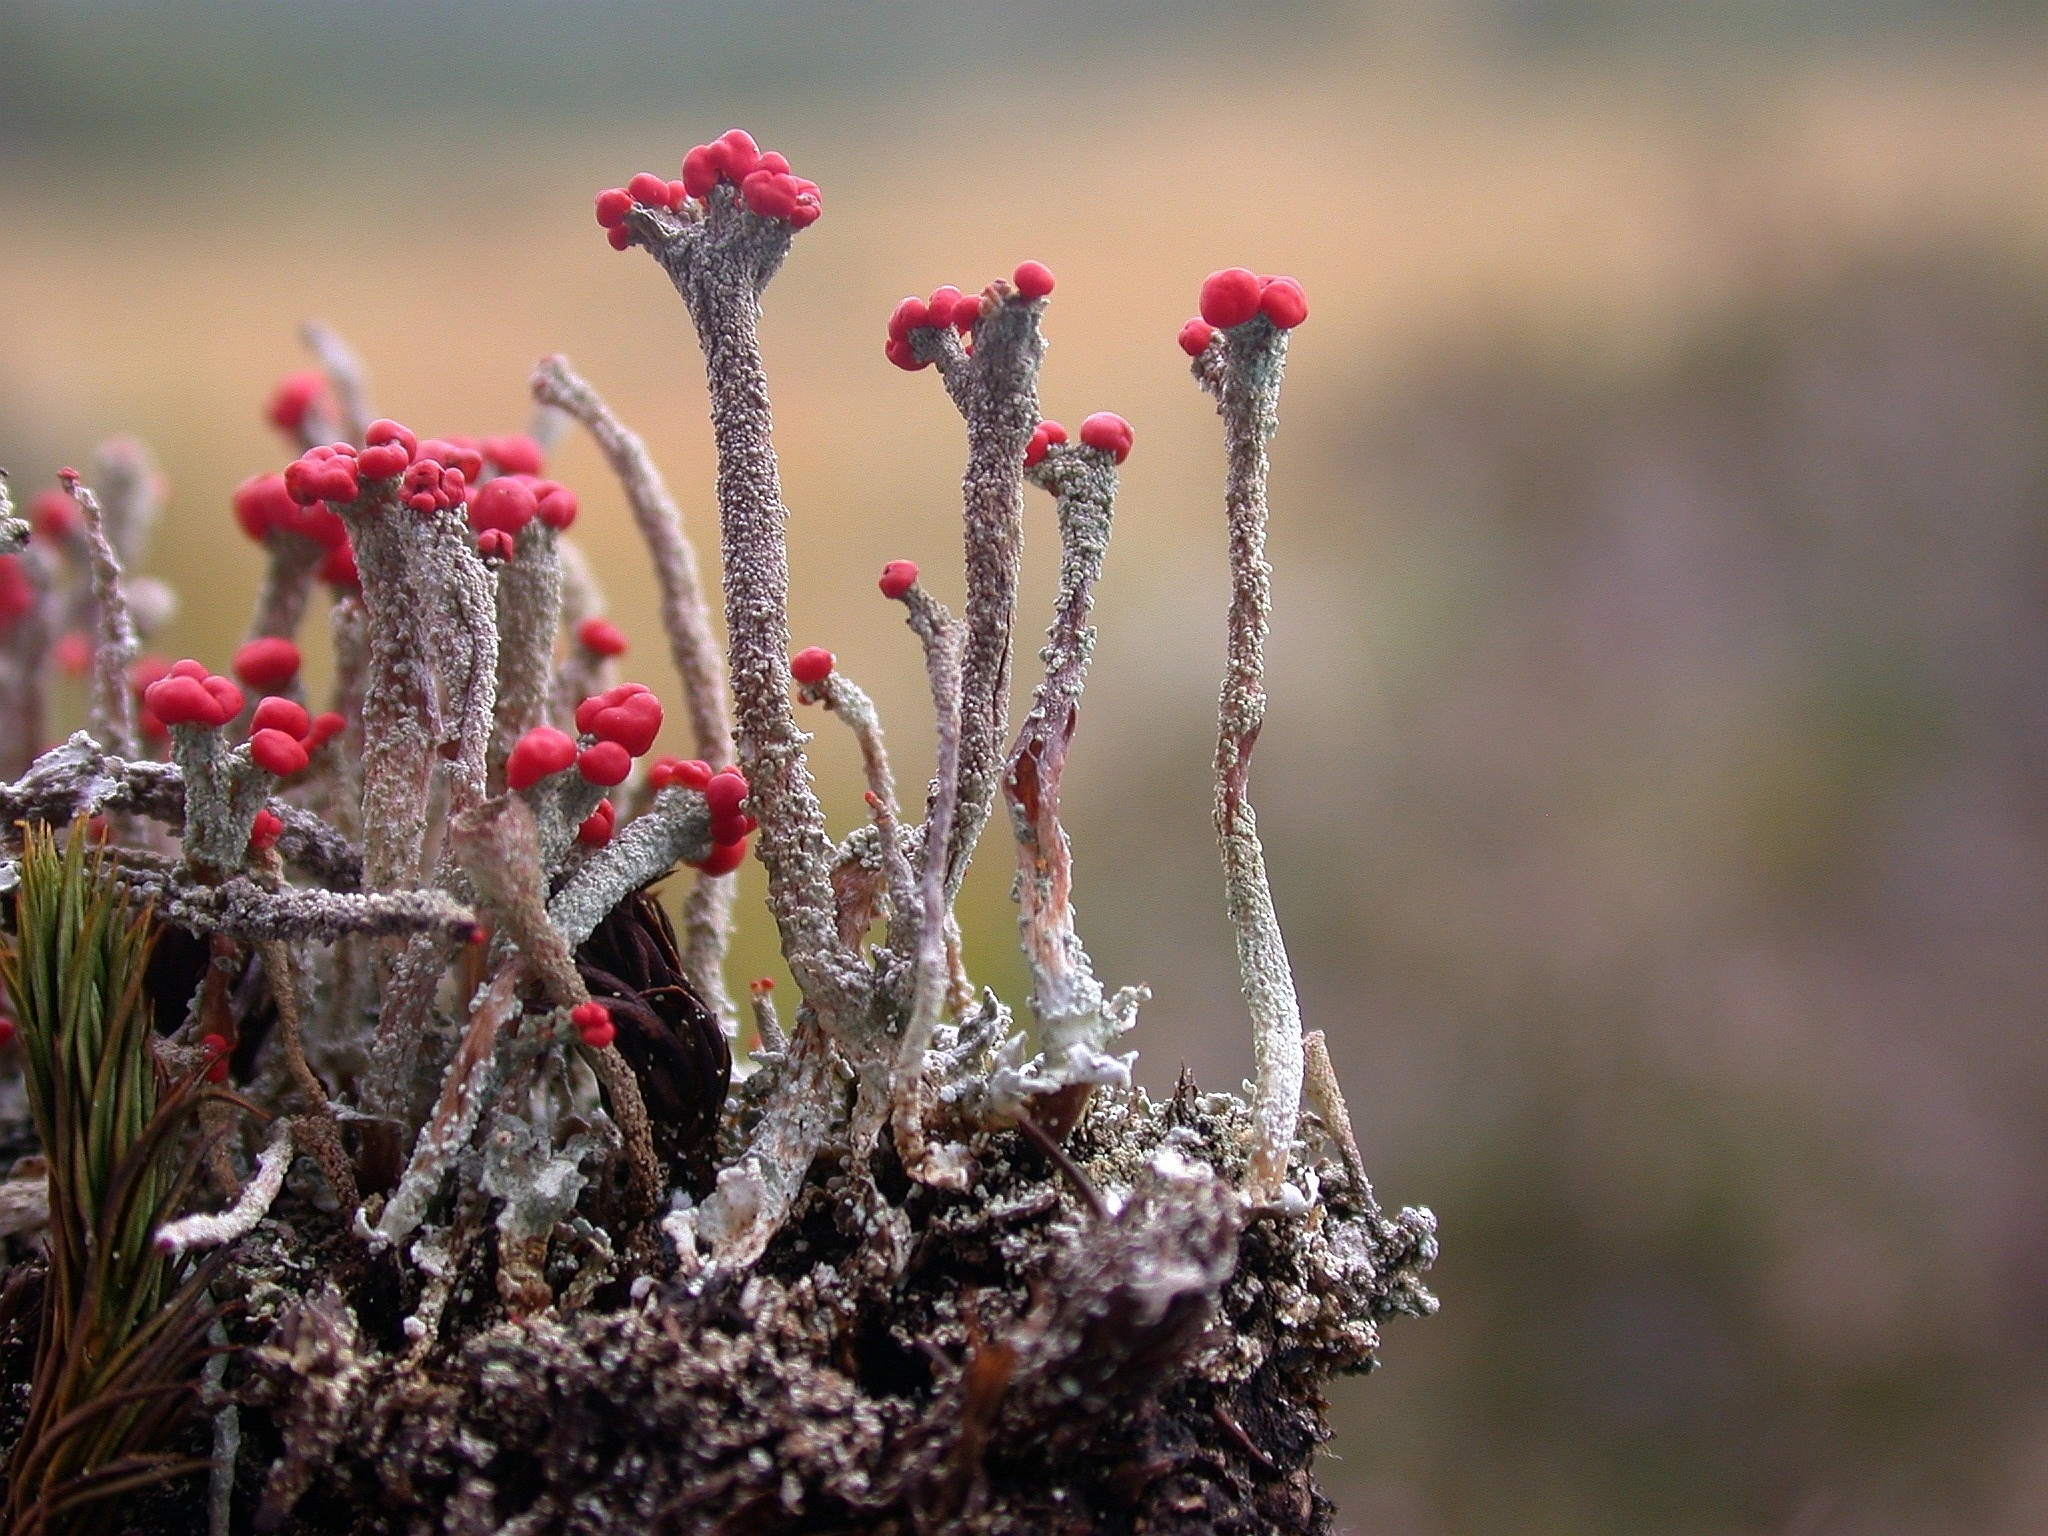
column 210, row 1231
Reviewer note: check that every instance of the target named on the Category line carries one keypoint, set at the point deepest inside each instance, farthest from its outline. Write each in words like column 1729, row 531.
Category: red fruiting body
column 275, row 752
column 325, row 725
column 73, row 653
column 619, row 239
column 17, row 593
column 282, row 714
column 940, row 306
column 594, row 1025
column 267, row 663
column 724, row 858
column 812, row 664
column 966, row 312
column 629, row 714
column 494, row 544
column 323, row 474
column 147, row 669
column 261, row 503
column 605, row 764
column 265, row 830
column 700, row 174
column 902, row 355
column 771, row 195
column 457, row 453
column 724, row 795
column 506, row 504
column 898, row 577
column 911, row 314
column 602, row 637
column 188, row 696
column 1194, row 336
column 1033, row 279
column 429, row 486
column 1230, row 297
column 1109, row 432
column 771, row 161
column 557, row 506
column 1283, row 302
column 1043, row 436
column 678, row 194
column 339, row 568
column 292, row 398
column 688, row 772
column 613, row 204
column 595, row 830
column 387, row 448
column 514, row 454
column 55, row 516
column 742, row 155
column 648, row 188
column 540, row 752
column 216, row 1049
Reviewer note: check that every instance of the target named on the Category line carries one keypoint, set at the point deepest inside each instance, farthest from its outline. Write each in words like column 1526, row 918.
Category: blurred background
column 1656, row 787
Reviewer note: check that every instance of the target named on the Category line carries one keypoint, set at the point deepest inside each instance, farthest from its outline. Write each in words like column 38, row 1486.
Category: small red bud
column 1284, row 303
column 1033, row 279
column 593, row 1023
column 1109, row 432
column 494, row 544
column 275, row 752
column 1194, row 336
column 648, row 188
column 613, row 204
column 267, row 663
column 277, row 713
column 811, row 665
column 265, row 830
column 898, row 577
column 540, row 752
column 724, row 858
column 601, row 637
column 1230, row 297
column 216, row 1049
column 595, row 830
column 605, row 764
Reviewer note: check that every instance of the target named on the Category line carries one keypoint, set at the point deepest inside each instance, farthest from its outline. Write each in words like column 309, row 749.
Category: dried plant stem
column 1324, row 1093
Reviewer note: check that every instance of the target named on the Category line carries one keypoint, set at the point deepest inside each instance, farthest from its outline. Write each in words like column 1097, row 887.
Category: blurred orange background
column 1656, row 786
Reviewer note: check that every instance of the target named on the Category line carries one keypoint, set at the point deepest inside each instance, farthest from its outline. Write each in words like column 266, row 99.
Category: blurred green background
column 1657, row 782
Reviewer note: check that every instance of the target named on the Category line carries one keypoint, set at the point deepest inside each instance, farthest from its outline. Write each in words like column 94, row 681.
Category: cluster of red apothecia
column 624, row 722
column 948, row 306
column 282, row 734
column 725, row 792
column 434, row 475
column 1232, row 296
column 766, row 186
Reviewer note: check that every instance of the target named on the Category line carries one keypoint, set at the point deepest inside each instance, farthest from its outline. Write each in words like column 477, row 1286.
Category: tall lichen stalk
column 122, row 1321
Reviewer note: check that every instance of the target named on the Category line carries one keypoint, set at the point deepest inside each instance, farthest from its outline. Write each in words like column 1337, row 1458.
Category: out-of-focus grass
column 1620, row 758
